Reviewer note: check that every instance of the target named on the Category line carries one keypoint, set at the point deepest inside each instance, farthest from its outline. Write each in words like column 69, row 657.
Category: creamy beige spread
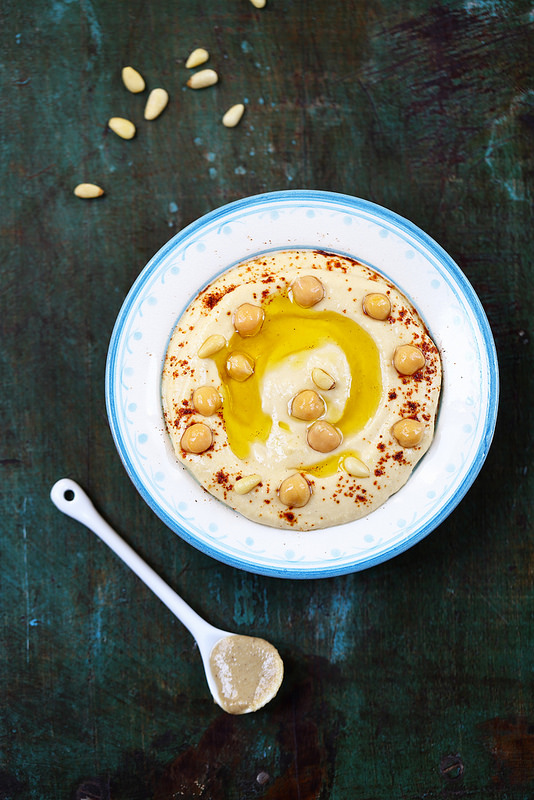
column 301, row 389
column 248, row 672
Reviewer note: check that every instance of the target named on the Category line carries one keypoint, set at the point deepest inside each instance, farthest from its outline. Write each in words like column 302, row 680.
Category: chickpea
column 294, row 491
column 307, row 405
column 408, row 432
column 248, row 319
column 239, row 366
column 307, row 291
column 206, row 400
column 377, row 305
column 407, row 359
column 323, row 437
column 196, row 438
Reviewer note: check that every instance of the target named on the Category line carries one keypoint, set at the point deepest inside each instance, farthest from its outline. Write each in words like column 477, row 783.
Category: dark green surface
column 410, row 680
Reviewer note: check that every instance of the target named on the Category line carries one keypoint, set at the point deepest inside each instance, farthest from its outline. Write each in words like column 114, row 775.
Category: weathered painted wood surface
column 410, row 680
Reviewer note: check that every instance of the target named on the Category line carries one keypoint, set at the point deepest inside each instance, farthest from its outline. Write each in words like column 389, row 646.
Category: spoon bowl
column 243, row 672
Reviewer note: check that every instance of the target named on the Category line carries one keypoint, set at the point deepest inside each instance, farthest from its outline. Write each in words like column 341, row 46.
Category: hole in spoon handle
column 71, row 499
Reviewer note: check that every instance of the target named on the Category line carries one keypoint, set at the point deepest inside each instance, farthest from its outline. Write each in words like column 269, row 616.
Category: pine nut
column 233, row 115
column 211, row 346
column 122, row 127
column 247, row 484
column 206, row 77
column 156, row 102
column 133, row 81
column 356, row 468
column 197, row 57
column 88, row 191
column 322, row 379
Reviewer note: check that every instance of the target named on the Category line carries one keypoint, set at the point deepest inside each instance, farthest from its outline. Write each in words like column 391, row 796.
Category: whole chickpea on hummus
column 301, row 389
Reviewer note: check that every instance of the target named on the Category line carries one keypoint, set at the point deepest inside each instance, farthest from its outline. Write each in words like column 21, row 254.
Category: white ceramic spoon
column 70, row 498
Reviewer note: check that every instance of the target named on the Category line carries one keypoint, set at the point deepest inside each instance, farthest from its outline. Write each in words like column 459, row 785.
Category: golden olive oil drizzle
column 328, row 466
column 288, row 330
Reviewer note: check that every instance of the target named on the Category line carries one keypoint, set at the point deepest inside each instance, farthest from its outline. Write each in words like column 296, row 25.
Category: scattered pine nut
column 157, row 101
column 133, row 81
column 88, row 191
column 197, row 57
column 258, row 3
column 233, row 115
column 122, row 127
column 206, row 77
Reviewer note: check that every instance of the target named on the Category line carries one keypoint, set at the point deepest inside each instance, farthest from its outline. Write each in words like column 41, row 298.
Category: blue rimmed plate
column 290, row 220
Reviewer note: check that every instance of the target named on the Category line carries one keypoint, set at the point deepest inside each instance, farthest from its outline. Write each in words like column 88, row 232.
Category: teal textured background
column 411, row 680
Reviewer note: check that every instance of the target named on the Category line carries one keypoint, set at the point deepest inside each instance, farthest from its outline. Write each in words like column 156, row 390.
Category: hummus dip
column 301, row 389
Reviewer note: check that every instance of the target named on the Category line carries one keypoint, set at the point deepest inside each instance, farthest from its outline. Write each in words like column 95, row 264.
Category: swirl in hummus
column 301, row 389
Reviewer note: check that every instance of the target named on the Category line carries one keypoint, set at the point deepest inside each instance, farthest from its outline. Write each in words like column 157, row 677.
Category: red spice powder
column 211, row 299
column 223, row 479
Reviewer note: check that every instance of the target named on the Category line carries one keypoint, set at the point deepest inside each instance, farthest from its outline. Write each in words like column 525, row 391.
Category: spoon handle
column 71, row 499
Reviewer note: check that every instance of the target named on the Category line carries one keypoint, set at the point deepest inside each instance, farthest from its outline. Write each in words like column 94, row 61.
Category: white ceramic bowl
column 348, row 226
